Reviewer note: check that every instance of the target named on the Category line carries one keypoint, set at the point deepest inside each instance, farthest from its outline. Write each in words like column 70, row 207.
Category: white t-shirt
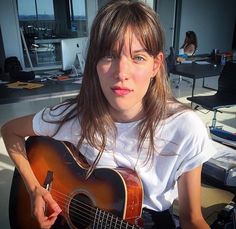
column 182, row 144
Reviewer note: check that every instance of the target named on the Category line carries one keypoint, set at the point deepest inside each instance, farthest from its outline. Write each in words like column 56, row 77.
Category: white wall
column 10, row 29
column 212, row 20
column 166, row 11
column 149, row 2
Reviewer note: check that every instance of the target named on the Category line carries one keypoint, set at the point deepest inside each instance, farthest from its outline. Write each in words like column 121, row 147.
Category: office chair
column 171, row 61
column 225, row 96
column 180, row 78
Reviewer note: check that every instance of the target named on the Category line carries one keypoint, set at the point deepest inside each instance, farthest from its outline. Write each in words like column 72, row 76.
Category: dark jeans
column 157, row 220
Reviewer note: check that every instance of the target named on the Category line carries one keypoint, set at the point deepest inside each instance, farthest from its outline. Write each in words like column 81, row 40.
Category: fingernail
column 58, row 209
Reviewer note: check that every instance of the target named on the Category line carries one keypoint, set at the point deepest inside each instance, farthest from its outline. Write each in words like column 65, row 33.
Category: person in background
column 190, row 43
column 124, row 116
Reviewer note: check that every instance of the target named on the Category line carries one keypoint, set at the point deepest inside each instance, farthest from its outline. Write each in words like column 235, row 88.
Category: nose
column 122, row 68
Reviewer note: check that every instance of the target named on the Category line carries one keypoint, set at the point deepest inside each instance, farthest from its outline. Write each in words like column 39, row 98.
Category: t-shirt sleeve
column 42, row 124
column 197, row 147
column 47, row 122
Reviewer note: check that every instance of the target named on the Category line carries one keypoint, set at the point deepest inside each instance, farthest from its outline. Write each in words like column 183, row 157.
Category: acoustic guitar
column 109, row 198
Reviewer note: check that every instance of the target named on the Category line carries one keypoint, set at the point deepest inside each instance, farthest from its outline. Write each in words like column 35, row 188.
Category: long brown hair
column 190, row 38
column 108, row 28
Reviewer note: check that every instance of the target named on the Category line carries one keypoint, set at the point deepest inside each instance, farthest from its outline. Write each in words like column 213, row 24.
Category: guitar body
column 109, row 198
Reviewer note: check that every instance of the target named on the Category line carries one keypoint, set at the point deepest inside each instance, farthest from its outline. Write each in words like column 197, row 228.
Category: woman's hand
column 44, row 208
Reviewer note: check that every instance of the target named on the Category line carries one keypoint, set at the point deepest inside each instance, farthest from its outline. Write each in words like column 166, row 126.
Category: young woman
column 124, row 116
column 190, row 43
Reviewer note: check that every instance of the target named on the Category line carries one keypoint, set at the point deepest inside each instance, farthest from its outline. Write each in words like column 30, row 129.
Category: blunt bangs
column 115, row 22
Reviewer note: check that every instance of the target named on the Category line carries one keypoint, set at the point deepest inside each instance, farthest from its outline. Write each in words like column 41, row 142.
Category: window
column 45, row 10
column 78, row 15
column 77, row 10
column 26, row 13
column 35, row 10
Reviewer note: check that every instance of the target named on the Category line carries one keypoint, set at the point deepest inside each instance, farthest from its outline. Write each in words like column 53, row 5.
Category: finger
column 39, row 215
column 52, row 204
column 48, row 222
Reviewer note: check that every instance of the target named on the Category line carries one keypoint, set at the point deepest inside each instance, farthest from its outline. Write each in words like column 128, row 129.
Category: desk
column 51, row 89
column 48, row 41
column 196, row 71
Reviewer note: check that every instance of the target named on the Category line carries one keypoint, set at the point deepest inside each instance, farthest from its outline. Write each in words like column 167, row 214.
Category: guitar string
column 67, row 197
column 119, row 222
column 109, row 221
column 73, row 209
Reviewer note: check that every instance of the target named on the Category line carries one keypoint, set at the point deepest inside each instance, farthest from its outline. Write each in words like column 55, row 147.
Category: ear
column 158, row 60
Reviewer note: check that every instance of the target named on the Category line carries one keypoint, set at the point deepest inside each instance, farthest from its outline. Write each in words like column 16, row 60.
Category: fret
column 111, row 221
column 102, row 220
column 121, row 223
column 106, row 224
column 98, row 220
column 94, row 221
column 116, row 222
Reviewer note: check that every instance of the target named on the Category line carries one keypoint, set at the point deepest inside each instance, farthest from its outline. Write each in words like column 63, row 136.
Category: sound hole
column 81, row 211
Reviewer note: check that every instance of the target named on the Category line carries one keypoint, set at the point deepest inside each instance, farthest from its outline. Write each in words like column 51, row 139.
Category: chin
column 120, row 107
column 124, row 106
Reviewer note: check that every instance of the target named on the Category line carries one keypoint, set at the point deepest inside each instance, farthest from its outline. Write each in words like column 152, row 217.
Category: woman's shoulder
column 58, row 121
column 59, row 109
column 189, row 116
column 186, row 127
column 186, row 121
column 55, row 114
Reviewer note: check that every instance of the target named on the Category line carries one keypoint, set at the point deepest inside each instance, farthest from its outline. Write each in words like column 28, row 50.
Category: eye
column 108, row 58
column 139, row 58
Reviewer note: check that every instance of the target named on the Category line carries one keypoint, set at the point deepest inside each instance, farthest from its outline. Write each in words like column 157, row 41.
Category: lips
column 121, row 91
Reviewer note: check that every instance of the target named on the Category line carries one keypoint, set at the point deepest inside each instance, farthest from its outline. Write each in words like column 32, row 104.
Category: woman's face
column 124, row 79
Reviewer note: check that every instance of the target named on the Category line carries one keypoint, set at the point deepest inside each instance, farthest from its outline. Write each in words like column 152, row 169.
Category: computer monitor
column 73, row 53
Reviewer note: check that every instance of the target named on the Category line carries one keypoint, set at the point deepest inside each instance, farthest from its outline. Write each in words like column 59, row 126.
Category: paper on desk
column 202, row 62
column 3, row 82
column 21, row 85
column 187, row 62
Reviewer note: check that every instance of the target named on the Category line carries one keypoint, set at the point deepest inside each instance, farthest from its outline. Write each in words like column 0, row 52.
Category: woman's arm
column 189, row 49
column 189, row 190
column 14, row 133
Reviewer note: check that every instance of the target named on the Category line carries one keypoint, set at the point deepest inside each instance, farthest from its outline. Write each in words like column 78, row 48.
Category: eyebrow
column 133, row 51
column 139, row 50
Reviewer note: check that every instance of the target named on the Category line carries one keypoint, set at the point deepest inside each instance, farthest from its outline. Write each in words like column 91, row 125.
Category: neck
column 123, row 116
